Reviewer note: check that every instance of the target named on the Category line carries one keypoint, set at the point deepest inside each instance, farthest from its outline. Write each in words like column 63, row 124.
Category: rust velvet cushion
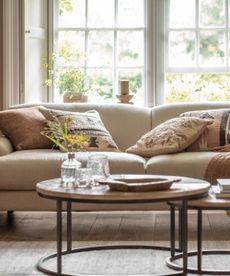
column 23, row 126
column 216, row 134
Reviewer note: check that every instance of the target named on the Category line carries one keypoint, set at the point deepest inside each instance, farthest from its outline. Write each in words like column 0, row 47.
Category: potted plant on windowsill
column 72, row 86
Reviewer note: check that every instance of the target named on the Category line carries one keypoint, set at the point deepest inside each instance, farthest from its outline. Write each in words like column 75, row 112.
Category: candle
column 124, row 87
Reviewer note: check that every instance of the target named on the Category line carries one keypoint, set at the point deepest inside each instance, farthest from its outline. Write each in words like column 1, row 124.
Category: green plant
column 62, row 137
column 72, row 80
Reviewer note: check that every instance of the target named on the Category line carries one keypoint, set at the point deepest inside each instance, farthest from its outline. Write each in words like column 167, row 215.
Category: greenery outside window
column 104, row 40
column 197, row 52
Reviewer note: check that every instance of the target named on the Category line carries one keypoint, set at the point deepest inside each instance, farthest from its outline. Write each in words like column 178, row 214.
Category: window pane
column 101, row 84
column 212, row 13
column 212, row 47
column 182, row 13
column 197, row 87
column 100, row 48
column 71, row 48
column 101, row 13
column 181, row 49
column 130, row 13
column 71, row 13
column 136, row 83
column 130, row 53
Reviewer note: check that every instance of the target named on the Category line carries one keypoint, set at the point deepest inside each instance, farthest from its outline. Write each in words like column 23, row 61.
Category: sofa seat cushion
column 21, row 170
column 190, row 164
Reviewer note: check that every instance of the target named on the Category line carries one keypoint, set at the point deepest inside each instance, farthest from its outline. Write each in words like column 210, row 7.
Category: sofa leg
column 10, row 213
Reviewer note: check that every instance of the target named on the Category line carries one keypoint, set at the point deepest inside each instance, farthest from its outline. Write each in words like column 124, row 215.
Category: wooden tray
column 139, row 184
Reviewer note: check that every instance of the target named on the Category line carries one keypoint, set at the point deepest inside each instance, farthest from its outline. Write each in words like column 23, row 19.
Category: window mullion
column 226, row 33
column 115, row 73
column 197, row 42
column 86, row 38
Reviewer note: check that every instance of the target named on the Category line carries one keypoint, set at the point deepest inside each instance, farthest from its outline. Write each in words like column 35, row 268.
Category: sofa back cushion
column 126, row 123
column 165, row 112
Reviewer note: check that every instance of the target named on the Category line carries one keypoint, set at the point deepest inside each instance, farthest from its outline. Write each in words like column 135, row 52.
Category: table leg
column 69, row 226
column 184, row 211
column 172, row 230
column 199, row 240
column 180, row 229
column 59, row 236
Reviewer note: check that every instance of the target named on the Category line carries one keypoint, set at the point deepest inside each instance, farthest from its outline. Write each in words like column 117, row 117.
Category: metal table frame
column 58, row 255
column 200, row 252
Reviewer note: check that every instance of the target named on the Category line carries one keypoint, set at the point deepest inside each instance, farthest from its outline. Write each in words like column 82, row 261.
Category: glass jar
column 68, row 169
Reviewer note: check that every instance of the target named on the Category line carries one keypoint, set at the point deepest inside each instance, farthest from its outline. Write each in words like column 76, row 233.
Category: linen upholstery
column 190, row 164
column 165, row 112
column 5, row 145
column 32, row 166
column 127, row 124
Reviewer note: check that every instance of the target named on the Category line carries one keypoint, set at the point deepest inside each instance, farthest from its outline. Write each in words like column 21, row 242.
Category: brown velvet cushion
column 23, row 126
column 216, row 134
column 171, row 136
column 87, row 123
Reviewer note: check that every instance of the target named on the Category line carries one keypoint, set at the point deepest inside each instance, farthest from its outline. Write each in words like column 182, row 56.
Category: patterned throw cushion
column 88, row 123
column 216, row 134
column 171, row 136
column 23, row 126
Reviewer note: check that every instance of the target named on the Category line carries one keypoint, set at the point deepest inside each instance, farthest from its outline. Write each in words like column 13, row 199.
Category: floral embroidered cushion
column 172, row 136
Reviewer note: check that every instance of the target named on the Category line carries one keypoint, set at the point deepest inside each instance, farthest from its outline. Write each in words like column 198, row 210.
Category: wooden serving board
column 139, row 185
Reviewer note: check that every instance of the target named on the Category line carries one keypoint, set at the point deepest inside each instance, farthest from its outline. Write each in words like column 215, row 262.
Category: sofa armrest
column 5, row 146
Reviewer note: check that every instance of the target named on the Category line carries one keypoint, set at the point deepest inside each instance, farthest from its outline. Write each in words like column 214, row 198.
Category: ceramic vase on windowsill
column 74, row 97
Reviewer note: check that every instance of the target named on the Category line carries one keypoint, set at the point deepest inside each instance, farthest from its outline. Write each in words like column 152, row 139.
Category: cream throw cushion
column 88, row 123
column 172, row 136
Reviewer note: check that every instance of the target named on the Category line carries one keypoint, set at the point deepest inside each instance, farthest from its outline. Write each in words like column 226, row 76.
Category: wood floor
column 38, row 230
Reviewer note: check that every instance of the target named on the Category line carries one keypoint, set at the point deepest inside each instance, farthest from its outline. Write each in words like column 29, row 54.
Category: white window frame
column 197, row 68
column 149, row 65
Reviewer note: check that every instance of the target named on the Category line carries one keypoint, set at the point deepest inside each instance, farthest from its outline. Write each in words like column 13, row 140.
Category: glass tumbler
column 99, row 164
column 83, row 177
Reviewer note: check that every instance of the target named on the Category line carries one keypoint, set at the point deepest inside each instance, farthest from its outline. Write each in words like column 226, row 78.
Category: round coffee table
column 207, row 203
column 52, row 189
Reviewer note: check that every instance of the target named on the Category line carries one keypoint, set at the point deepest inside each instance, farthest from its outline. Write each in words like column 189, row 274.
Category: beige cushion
column 87, row 123
column 23, row 126
column 5, row 146
column 21, row 170
column 190, row 164
column 216, row 134
column 172, row 136
column 126, row 123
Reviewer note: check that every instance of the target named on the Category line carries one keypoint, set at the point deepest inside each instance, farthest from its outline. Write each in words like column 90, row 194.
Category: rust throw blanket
column 219, row 165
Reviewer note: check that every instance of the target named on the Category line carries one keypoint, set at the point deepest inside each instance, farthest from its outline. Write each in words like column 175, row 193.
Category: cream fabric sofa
column 21, row 170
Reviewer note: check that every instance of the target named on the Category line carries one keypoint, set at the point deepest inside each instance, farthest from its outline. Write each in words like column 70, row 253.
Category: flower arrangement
column 60, row 134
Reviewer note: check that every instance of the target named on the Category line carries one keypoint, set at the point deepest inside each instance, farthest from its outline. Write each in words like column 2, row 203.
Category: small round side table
column 207, row 203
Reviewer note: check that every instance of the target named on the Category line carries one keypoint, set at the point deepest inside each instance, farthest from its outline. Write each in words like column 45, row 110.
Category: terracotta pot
column 73, row 97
